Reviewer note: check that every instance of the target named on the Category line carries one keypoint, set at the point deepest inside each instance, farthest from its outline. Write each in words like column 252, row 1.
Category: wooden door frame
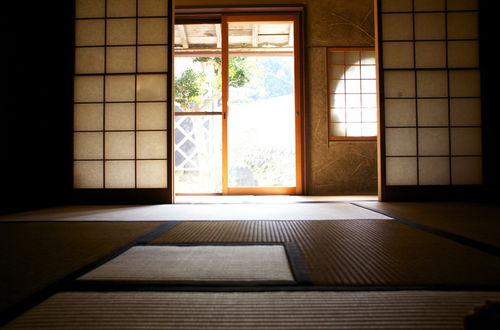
column 186, row 15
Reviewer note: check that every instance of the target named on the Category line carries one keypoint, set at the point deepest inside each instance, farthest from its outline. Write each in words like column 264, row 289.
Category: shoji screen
column 430, row 92
column 121, row 93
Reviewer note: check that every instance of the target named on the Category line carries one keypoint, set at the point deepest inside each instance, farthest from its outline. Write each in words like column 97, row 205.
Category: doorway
column 237, row 106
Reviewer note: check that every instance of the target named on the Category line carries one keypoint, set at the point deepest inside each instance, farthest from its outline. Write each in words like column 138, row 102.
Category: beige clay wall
column 332, row 168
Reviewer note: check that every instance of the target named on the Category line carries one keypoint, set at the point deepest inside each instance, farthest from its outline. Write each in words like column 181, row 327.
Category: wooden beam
column 218, row 35
column 183, row 36
column 255, row 35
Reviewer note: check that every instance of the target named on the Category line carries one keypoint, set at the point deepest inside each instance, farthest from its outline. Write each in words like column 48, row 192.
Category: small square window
column 353, row 94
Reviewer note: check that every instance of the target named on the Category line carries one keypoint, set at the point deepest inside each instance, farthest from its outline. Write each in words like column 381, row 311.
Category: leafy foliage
column 188, row 88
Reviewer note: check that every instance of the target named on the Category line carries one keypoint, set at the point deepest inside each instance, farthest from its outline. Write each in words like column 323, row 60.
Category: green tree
column 188, row 88
column 194, row 90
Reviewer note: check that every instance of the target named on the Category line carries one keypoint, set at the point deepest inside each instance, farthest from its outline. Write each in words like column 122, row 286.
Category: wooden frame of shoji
column 122, row 92
column 429, row 93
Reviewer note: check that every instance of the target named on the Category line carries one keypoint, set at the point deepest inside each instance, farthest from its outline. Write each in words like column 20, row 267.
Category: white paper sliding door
column 430, row 93
column 121, row 94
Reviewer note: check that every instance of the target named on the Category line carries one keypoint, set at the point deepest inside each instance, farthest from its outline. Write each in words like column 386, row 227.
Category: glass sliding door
column 262, row 110
column 198, row 109
column 237, row 106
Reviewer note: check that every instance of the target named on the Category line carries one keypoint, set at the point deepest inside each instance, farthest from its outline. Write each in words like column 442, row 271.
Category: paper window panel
column 432, row 83
column 153, row 8
column 466, row 170
column 336, row 72
column 369, row 115
column 401, row 171
column 368, row 58
column 89, row 8
column 88, row 174
column 336, row 86
column 353, row 129
column 87, row 145
column 353, row 115
column 120, row 174
column 369, row 129
column 120, row 59
column 152, row 59
column 353, row 86
column 89, row 60
column 401, row 141
column 337, row 100
column 433, row 142
column 353, row 101
column 88, row 117
column 465, row 112
column 466, row 141
column 338, row 115
column 121, row 8
column 152, row 116
column 336, row 58
column 430, row 26
column 430, row 54
column 338, row 129
column 429, row 5
column 465, row 83
column 433, row 112
column 463, row 25
column 396, row 5
column 462, row 4
column 121, row 31
column 368, row 86
column 398, row 55
column 88, row 89
column 352, row 90
column 399, row 84
column 89, row 32
column 120, row 88
column 368, row 72
column 369, row 100
column 434, row 170
column 463, row 54
column 152, row 31
column 152, row 145
column 151, row 174
column 120, row 116
column 400, row 112
column 352, row 58
column 152, row 87
column 352, row 72
column 120, row 145
column 397, row 27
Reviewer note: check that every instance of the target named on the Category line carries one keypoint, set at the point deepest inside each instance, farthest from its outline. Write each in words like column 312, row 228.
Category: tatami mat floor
column 43, row 256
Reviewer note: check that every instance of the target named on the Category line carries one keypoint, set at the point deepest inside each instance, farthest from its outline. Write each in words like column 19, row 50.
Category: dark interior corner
column 36, row 137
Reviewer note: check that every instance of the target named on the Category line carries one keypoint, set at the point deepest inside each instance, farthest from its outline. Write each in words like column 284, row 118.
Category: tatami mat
column 478, row 221
column 37, row 254
column 202, row 212
column 364, row 252
column 205, row 263
column 250, row 310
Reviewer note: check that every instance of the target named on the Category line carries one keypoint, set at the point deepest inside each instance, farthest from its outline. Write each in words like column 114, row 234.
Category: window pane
column 198, row 154
column 353, row 98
